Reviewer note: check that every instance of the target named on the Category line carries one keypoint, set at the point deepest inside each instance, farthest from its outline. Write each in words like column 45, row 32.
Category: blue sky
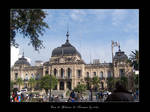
column 91, row 32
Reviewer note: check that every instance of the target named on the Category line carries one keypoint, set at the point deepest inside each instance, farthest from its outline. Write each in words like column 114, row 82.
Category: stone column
column 65, row 85
column 58, row 85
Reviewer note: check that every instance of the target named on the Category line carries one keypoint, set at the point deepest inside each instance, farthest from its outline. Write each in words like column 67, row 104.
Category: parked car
column 106, row 93
column 24, row 90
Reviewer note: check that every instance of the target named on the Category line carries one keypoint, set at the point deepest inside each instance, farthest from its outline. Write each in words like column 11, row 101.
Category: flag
column 114, row 43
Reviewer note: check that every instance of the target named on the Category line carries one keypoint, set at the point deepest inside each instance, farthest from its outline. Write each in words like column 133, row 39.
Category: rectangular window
column 46, row 72
column 121, row 72
column 94, row 74
column 16, row 76
column 79, row 73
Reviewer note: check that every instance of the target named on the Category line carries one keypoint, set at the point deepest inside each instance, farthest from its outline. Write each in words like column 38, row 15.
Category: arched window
column 32, row 75
column 37, row 76
column 69, row 85
column 87, row 74
column 16, row 76
column 46, row 72
column 26, row 77
column 55, row 72
column 121, row 72
column 101, row 75
column 94, row 74
column 61, row 86
column 69, row 73
column 79, row 73
column 62, row 72
column 109, row 73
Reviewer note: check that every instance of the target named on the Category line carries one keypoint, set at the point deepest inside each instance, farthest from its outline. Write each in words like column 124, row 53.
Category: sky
column 90, row 30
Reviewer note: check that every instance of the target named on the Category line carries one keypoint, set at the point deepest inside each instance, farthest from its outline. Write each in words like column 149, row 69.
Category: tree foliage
column 11, row 85
column 134, row 59
column 19, row 81
column 89, row 82
column 48, row 82
column 80, row 88
column 32, row 82
column 30, row 23
column 96, row 82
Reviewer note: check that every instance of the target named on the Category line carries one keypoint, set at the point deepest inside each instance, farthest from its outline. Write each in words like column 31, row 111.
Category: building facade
column 70, row 69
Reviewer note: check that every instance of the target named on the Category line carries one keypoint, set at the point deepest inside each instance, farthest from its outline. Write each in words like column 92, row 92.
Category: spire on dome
column 119, row 48
column 23, row 54
column 67, row 33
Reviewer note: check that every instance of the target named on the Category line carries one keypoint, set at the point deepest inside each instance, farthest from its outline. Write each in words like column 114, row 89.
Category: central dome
column 65, row 50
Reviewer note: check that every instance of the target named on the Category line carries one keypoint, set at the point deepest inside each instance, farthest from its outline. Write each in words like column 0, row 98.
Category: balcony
column 65, row 77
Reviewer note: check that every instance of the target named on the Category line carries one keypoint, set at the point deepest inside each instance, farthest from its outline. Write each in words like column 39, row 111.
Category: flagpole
column 112, row 45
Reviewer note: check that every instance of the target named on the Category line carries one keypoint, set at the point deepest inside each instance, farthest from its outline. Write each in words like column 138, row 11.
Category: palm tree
column 134, row 59
column 19, row 81
column 32, row 83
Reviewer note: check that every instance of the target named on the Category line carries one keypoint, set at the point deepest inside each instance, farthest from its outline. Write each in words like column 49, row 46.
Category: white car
column 107, row 92
column 19, row 92
column 24, row 90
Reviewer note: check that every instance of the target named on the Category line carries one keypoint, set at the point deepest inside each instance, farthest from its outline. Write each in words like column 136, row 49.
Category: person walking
column 72, row 96
column 120, row 94
column 78, row 96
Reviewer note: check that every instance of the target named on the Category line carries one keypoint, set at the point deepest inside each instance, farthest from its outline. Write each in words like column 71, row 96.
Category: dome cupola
column 66, row 49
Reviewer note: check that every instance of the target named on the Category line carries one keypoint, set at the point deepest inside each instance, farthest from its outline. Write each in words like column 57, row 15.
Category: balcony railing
column 64, row 77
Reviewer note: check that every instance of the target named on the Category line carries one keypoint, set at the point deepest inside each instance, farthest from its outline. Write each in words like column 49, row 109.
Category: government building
column 69, row 68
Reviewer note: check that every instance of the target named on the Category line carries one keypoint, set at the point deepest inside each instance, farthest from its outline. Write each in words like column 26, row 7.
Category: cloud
column 14, row 55
column 77, row 15
column 28, row 59
column 118, row 16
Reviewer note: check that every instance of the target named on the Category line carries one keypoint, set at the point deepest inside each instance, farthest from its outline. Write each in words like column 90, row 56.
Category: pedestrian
column 22, row 97
column 78, row 96
column 52, row 98
column 137, row 94
column 120, row 93
column 19, row 98
column 72, row 96
column 96, row 96
column 90, row 95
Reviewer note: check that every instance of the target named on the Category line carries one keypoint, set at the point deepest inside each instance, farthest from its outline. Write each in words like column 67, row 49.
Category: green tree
column 124, row 81
column 11, row 85
column 32, row 82
column 134, row 59
column 48, row 82
column 80, row 88
column 88, row 82
column 96, row 82
column 30, row 23
column 19, row 81
column 111, row 83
